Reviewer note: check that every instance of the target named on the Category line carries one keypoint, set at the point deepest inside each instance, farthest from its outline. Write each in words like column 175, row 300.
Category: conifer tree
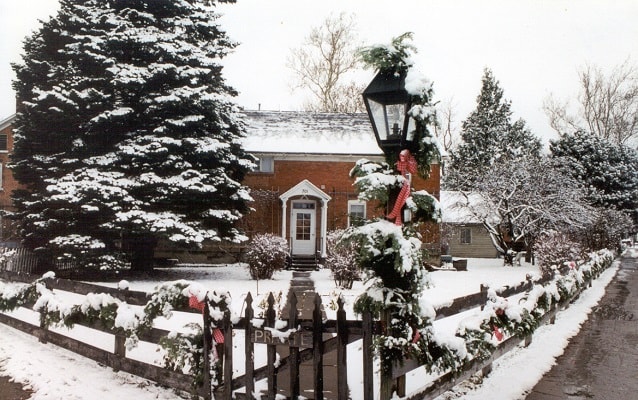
column 488, row 136
column 126, row 132
column 608, row 171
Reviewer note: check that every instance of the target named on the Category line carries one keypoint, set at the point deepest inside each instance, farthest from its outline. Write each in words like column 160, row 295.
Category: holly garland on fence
column 476, row 337
column 184, row 351
column 501, row 318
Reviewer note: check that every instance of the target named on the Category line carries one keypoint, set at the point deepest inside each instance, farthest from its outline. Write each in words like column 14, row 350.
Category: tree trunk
column 141, row 250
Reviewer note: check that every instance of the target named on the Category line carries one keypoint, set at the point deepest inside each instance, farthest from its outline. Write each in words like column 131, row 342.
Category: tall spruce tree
column 126, row 132
column 488, row 136
column 607, row 170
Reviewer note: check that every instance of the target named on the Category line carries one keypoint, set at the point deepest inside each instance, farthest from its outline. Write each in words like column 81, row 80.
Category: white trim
column 304, row 188
column 7, row 121
column 303, row 246
column 315, row 157
column 307, row 189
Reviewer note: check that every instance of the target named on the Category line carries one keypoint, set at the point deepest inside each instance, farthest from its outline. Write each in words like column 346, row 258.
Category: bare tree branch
column 607, row 105
column 320, row 65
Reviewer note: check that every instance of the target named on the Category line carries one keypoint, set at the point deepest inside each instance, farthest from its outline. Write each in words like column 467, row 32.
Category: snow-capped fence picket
column 290, row 340
column 20, row 259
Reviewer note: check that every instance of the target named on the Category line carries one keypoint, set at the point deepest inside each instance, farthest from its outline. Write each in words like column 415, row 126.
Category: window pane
column 466, row 236
column 266, row 164
column 356, row 213
column 303, row 226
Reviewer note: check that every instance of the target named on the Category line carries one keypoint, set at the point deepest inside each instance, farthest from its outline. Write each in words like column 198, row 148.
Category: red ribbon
column 497, row 332
column 193, row 302
column 407, row 163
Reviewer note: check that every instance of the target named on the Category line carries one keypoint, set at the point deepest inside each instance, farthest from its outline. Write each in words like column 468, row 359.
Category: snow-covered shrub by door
column 267, row 253
column 342, row 260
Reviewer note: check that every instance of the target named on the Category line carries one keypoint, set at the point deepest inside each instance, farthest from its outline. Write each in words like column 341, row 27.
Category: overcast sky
column 534, row 48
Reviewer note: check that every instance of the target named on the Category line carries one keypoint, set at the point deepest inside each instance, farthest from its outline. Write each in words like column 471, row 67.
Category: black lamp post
column 388, row 103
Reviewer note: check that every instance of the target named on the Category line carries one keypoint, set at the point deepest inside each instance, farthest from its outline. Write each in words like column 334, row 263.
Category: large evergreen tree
column 488, row 136
column 126, row 132
column 609, row 171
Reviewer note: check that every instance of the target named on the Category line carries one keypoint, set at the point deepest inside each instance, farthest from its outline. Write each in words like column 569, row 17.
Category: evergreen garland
column 408, row 335
column 391, row 255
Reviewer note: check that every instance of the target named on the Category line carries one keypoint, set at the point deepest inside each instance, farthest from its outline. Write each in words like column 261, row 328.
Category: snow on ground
column 56, row 374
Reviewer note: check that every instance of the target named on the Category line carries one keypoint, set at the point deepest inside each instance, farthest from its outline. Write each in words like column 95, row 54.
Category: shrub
column 556, row 249
column 341, row 259
column 267, row 253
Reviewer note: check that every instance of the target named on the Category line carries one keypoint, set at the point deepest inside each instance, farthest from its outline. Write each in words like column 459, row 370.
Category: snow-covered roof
column 309, row 133
column 456, row 208
column 7, row 121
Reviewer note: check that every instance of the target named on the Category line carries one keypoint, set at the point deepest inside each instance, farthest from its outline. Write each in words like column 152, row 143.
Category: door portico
column 303, row 217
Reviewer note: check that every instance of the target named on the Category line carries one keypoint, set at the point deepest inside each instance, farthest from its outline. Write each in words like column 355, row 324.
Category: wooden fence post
column 294, row 351
column 342, row 351
column 317, row 346
column 119, row 348
column 368, row 356
column 250, row 347
column 385, row 390
column 207, row 349
column 227, row 357
column 528, row 340
column 42, row 336
column 271, row 350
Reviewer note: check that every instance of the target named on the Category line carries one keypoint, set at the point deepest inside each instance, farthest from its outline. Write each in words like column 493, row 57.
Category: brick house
column 301, row 187
column 7, row 182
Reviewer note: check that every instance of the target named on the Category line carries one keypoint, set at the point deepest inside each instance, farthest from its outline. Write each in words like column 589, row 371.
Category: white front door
column 302, row 227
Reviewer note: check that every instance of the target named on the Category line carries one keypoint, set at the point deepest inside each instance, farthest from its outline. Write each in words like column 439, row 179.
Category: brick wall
column 7, row 227
column 333, row 178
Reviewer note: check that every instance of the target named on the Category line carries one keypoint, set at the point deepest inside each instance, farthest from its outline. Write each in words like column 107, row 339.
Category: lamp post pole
column 387, row 103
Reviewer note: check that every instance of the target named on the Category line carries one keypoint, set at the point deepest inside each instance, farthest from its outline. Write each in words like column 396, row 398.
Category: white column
column 324, row 227
column 284, row 213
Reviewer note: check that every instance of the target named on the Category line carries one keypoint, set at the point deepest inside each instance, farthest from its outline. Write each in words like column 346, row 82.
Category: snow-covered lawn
column 54, row 373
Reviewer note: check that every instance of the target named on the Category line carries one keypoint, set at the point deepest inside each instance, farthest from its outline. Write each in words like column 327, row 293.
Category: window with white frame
column 466, row 236
column 267, row 164
column 356, row 212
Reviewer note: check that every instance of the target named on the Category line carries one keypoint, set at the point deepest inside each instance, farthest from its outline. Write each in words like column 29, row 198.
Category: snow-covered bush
column 267, row 253
column 6, row 255
column 342, row 259
column 555, row 249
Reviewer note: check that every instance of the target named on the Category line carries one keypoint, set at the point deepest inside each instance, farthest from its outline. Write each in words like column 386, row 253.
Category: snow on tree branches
column 126, row 132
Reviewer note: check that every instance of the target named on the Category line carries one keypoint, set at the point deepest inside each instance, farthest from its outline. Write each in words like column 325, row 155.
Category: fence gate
column 296, row 353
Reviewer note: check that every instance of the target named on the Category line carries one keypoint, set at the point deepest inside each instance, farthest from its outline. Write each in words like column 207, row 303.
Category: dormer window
column 267, row 164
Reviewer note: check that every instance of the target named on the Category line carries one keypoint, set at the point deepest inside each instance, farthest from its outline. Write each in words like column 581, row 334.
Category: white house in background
column 462, row 232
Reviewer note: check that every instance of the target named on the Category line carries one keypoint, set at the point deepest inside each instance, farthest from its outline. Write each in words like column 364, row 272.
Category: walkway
column 303, row 287
column 600, row 362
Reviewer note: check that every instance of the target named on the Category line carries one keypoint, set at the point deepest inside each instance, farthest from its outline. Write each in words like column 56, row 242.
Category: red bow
column 193, row 302
column 407, row 163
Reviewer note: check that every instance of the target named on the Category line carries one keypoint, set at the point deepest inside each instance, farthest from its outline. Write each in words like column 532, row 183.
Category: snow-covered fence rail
column 555, row 293
column 306, row 340
column 116, row 359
